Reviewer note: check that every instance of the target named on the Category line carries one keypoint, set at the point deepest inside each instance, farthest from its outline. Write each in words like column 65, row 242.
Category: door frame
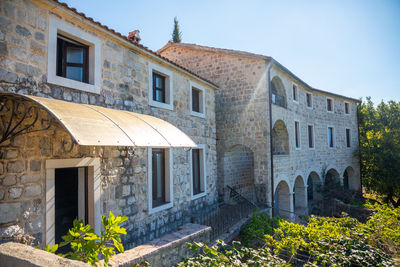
column 94, row 182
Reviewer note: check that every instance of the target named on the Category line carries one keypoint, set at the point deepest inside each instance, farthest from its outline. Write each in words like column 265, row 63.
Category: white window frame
column 299, row 135
column 57, row 26
column 202, row 113
column 345, row 108
column 94, row 182
column 168, row 87
column 345, row 137
column 334, row 136
column 297, row 93
column 169, row 181
column 312, row 100
column 333, row 105
column 313, row 136
column 203, row 172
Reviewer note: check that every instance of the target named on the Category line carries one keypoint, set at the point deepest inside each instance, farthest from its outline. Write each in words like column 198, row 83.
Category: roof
column 248, row 55
column 125, row 38
column 90, row 125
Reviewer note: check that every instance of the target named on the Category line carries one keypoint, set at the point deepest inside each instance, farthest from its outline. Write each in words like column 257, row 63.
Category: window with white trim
column 197, row 100
column 297, row 134
column 198, row 171
column 73, row 58
column 160, row 87
column 160, row 179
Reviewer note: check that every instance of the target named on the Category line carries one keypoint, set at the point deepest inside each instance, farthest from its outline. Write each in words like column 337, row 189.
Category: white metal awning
column 91, row 125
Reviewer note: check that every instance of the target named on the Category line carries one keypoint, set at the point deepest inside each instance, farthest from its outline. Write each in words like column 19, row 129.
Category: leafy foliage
column 87, row 246
column 176, row 33
column 236, row 254
column 380, row 148
column 259, row 225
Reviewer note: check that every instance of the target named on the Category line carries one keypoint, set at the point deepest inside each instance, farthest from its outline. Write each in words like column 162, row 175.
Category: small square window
column 309, row 100
column 198, row 171
column 72, row 59
column 346, row 108
column 197, row 101
column 348, row 139
column 295, row 93
column 329, row 104
column 331, row 137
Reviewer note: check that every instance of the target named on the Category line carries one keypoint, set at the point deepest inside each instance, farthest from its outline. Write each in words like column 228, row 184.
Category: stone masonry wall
column 24, row 30
column 241, row 110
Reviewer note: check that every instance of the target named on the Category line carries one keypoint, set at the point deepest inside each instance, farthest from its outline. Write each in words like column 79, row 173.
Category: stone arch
column 350, row 179
column 332, row 177
column 299, row 195
column 282, row 200
column 237, row 172
column 280, row 139
column 278, row 92
column 313, row 182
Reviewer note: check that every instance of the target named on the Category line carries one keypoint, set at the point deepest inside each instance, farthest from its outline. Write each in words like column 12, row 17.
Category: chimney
column 134, row 36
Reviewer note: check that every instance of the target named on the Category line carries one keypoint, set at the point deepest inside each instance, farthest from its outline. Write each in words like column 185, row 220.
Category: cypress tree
column 176, row 33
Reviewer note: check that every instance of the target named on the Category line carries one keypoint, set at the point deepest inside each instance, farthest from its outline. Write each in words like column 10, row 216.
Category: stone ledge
column 15, row 254
column 165, row 250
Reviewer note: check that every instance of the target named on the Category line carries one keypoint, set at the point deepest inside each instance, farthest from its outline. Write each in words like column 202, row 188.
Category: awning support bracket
column 19, row 117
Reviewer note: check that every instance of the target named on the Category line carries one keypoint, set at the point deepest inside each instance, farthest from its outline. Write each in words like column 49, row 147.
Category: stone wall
column 24, row 35
column 241, row 112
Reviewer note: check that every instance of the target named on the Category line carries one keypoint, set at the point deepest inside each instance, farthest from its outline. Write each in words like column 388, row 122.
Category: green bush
column 259, row 225
column 87, row 246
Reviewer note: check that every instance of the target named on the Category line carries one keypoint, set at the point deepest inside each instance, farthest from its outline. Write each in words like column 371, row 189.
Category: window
column 74, row 58
column 346, row 108
column 329, row 104
column 310, row 136
column 297, row 134
column 160, row 87
column 198, row 171
column 348, row 139
column 160, row 179
column 295, row 93
column 331, row 137
column 309, row 100
column 197, row 100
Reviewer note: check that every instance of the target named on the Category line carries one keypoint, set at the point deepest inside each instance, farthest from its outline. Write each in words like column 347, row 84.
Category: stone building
column 277, row 136
column 92, row 122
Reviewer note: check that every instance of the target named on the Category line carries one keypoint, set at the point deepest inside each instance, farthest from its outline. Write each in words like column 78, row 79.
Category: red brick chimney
column 134, row 36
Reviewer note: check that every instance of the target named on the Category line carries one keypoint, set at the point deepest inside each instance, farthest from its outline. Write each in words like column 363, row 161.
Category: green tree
column 176, row 33
column 380, row 149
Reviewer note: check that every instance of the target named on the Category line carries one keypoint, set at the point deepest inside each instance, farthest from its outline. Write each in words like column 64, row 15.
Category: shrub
column 259, row 225
column 87, row 246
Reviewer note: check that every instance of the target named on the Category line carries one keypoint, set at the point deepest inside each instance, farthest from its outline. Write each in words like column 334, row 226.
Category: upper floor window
column 160, row 87
column 197, row 100
column 348, row 138
column 310, row 136
column 72, row 59
column 198, row 171
column 309, row 100
column 346, row 108
column 329, row 104
column 295, row 93
column 331, row 137
column 297, row 134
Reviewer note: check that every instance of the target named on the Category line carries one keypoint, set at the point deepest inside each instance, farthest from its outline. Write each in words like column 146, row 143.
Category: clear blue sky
column 346, row 47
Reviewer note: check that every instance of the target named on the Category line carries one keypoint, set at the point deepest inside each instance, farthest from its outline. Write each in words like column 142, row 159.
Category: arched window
column 278, row 92
column 280, row 139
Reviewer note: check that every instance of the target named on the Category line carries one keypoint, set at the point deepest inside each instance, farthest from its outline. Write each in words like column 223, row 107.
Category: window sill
column 197, row 114
column 161, row 208
column 199, row 195
column 65, row 82
column 161, row 105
